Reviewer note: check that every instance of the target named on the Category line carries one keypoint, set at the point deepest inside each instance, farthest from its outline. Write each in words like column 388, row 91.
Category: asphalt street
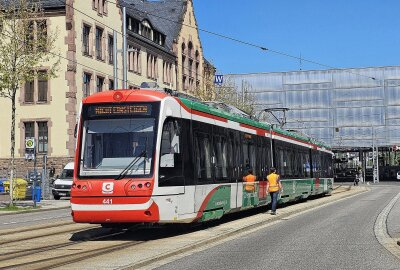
column 337, row 236
column 34, row 218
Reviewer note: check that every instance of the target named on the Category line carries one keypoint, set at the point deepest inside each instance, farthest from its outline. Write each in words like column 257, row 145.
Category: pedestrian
column 274, row 186
column 357, row 176
column 249, row 185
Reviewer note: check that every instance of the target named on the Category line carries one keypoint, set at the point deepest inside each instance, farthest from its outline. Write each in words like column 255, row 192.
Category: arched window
column 197, row 68
column 190, row 49
column 183, row 66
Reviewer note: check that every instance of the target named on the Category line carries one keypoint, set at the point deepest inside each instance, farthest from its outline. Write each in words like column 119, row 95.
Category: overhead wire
column 263, row 48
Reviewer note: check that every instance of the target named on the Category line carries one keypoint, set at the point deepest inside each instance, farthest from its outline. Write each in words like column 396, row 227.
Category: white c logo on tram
column 108, row 188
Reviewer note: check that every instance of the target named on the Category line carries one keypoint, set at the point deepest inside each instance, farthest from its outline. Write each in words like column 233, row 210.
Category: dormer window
column 133, row 24
column 158, row 38
column 146, row 30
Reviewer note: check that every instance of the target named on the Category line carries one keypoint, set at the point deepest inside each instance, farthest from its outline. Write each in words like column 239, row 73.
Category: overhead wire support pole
column 115, row 55
column 124, row 51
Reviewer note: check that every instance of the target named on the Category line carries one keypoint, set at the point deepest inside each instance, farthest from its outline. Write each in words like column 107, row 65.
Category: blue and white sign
column 219, row 79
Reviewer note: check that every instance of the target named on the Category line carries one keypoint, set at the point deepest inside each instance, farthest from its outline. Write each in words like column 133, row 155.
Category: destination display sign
column 119, row 110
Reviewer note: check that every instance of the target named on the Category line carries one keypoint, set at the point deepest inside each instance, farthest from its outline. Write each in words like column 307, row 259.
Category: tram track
column 49, row 256
column 37, row 249
column 35, row 227
column 45, row 233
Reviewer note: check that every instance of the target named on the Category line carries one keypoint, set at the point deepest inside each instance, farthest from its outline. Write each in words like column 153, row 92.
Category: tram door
column 204, row 161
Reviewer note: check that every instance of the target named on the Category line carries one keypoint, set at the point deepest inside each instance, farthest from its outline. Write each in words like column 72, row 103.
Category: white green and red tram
column 148, row 156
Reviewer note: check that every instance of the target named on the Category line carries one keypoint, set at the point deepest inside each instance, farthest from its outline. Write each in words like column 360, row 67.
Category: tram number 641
column 107, row 201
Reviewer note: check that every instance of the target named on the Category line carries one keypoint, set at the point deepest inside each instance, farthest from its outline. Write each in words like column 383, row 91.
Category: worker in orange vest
column 249, row 185
column 273, row 187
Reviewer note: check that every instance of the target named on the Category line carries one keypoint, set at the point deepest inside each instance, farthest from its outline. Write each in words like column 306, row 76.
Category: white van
column 62, row 185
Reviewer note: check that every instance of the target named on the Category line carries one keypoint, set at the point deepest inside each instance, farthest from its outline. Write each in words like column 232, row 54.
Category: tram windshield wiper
column 130, row 165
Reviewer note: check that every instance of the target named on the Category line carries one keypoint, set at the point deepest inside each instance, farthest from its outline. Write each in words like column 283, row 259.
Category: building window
column 152, row 67
column 99, row 45
column 99, row 83
column 134, row 59
column 110, row 49
column 100, row 6
column 41, row 35
column 184, row 84
column 86, row 84
column 190, row 49
column 43, row 137
column 190, row 67
column 29, row 129
column 36, row 32
column 29, row 91
column 42, row 86
column 39, row 85
column 197, row 65
column 135, row 26
column 86, row 39
column 111, row 84
column 104, row 6
column 29, row 35
column 146, row 30
column 167, row 73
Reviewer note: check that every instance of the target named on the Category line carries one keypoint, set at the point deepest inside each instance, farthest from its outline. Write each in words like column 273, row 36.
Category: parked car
column 398, row 175
column 62, row 185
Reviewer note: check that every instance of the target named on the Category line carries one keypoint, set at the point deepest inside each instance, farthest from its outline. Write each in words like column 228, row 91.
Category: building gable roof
column 166, row 16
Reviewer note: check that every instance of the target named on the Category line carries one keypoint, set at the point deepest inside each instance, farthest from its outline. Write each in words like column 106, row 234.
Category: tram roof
column 157, row 95
column 199, row 106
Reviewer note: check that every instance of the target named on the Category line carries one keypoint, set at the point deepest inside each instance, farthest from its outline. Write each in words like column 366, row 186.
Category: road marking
column 380, row 229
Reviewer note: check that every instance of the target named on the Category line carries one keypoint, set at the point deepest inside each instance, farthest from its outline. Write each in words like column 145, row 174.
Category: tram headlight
column 133, row 187
column 140, row 186
column 148, row 184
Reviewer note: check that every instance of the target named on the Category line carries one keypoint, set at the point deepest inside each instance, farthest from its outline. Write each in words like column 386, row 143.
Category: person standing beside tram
column 274, row 186
column 249, row 185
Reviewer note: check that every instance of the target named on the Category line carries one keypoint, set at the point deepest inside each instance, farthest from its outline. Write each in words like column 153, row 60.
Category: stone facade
column 23, row 167
column 54, row 120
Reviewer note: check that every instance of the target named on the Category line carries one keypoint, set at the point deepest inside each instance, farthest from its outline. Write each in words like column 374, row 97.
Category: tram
column 148, row 156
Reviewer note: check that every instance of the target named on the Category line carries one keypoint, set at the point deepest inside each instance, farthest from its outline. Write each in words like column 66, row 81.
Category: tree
column 25, row 44
column 241, row 97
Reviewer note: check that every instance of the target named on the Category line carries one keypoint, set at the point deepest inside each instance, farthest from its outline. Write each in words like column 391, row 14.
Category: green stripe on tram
column 293, row 190
column 219, row 203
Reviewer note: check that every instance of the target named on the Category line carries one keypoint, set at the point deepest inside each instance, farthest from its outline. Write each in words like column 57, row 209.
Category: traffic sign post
column 30, row 154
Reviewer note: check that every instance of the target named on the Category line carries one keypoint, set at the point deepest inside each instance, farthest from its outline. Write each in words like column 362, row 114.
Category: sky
column 335, row 33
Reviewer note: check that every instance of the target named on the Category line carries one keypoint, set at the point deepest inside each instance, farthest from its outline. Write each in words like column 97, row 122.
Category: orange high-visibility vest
column 273, row 180
column 250, row 185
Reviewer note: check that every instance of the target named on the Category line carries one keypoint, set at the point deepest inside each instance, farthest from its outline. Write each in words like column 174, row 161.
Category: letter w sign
column 219, row 79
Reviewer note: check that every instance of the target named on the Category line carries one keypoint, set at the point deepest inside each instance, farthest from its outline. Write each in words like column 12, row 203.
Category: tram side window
column 170, row 154
column 236, row 157
column 306, row 164
column 245, row 155
column 316, row 164
column 281, row 161
column 220, row 151
column 326, row 165
column 252, row 156
column 203, row 157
